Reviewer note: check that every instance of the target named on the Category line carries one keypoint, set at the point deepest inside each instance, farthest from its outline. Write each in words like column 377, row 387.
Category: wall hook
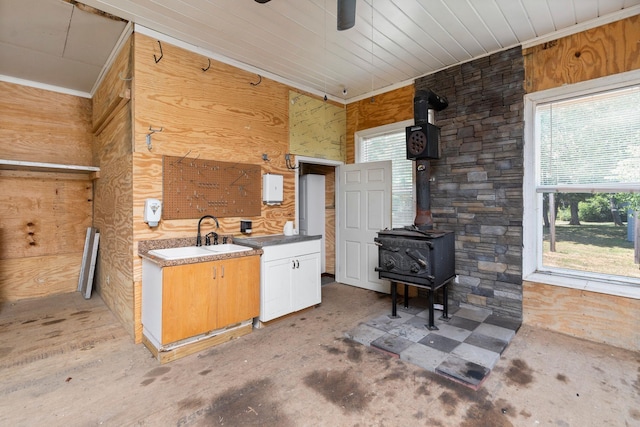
column 151, row 132
column 259, row 81
column 208, row 66
column 157, row 59
column 289, row 162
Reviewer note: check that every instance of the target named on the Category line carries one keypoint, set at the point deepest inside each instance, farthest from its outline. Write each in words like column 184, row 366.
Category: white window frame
column 532, row 216
column 361, row 135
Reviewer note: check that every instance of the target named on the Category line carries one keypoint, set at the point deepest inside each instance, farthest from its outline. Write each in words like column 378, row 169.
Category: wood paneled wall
column 43, row 215
column 598, row 52
column 218, row 114
column 114, row 189
column 390, row 107
column 37, row 125
column 593, row 316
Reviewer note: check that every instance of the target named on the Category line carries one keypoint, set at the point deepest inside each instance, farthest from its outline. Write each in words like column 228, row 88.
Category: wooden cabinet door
column 189, row 305
column 238, row 290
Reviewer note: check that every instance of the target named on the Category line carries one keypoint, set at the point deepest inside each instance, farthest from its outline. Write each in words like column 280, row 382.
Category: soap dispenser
column 152, row 212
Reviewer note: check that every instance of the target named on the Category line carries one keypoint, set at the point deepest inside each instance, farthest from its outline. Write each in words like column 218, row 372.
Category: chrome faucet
column 199, row 236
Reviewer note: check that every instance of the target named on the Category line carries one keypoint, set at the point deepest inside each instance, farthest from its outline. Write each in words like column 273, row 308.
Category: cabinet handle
column 214, row 271
column 297, row 264
column 222, row 272
column 293, row 264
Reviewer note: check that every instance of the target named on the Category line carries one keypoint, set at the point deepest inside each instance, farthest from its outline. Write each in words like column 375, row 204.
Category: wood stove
column 422, row 258
column 418, row 255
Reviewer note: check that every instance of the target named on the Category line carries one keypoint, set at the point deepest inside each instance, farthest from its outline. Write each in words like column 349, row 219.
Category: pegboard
column 192, row 188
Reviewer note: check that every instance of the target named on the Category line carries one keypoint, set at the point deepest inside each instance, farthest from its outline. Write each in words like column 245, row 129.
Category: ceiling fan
column 346, row 13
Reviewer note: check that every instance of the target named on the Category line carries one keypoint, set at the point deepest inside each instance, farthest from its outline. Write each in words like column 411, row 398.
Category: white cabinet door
column 305, row 284
column 290, row 279
column 275, row 292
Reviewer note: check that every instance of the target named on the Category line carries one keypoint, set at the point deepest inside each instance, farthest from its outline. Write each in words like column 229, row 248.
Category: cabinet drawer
column 290, row 250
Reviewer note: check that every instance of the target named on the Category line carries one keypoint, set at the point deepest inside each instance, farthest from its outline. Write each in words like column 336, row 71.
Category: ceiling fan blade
column 346, row 14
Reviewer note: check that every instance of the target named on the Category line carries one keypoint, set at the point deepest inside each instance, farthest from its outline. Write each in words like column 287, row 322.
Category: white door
column 363, row 209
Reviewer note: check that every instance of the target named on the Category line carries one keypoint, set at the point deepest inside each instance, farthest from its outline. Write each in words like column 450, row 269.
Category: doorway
column 326, row 168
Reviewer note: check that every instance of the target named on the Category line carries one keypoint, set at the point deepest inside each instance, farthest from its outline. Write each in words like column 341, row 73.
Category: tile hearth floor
column 464, row 348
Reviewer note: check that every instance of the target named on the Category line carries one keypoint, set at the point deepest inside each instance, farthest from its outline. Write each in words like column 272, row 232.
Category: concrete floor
column 67, row 361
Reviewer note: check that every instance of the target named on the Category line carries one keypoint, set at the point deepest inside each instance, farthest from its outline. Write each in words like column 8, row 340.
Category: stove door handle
column 381, row 245
column 420, row 261
column 386, row 248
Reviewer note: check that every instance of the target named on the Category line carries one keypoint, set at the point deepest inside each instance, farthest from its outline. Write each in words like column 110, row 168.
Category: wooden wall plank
column 594, row 316
column 598, row 52
column 39, row 276
column 214, row 115
column 42, row 126
column 390, row 107
column 119, row 78
column 43, row 215
column 114, row 197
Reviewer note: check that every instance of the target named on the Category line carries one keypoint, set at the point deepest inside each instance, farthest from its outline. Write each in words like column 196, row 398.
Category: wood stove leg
column 406, row 296
column 445, row 302
column 394, row 300
column 431, row 326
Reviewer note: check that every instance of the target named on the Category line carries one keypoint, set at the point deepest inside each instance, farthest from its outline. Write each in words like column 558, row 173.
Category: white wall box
column 272, row 192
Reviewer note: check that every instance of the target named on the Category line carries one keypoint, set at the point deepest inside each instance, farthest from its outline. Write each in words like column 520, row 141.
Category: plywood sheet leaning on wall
column 598, row 52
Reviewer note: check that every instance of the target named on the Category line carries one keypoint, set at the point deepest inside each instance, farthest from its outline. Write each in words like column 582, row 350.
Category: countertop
column 144, row 246
column 273, row 239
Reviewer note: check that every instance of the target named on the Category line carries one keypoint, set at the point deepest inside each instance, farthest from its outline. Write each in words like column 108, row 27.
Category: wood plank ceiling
column 294, row 41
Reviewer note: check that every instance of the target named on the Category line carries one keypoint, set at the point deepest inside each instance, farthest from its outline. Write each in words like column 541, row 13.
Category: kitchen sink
column 180, row 253
column 226, row 248
column 197, row 251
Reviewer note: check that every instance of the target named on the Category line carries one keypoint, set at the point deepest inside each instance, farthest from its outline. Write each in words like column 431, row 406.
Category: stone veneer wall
column 476, row 187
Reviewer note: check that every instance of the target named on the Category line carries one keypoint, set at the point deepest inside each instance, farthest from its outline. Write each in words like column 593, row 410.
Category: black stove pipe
column 425, row 102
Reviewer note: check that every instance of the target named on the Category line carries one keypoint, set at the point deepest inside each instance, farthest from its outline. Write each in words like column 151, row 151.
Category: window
column 582, row 184
column 389, row 143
